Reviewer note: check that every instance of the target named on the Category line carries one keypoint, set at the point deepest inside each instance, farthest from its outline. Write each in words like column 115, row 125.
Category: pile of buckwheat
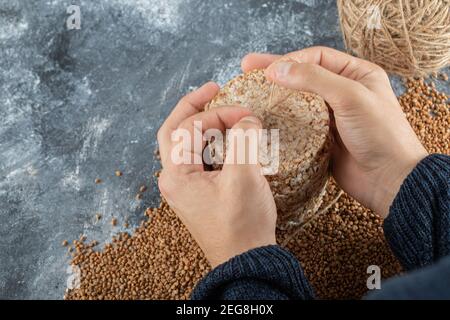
column 160, row 260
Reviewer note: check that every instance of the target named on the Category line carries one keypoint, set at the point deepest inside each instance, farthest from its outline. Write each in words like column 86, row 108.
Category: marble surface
column 76, row 105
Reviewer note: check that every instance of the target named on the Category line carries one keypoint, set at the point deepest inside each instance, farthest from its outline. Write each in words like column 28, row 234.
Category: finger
column 340, row 163
column 254, row 61
column 242, row 150
column 189, row 105
column 223, row 117
column 220, row 118
column 343, row 165
column 335, row 61
column 341, row 93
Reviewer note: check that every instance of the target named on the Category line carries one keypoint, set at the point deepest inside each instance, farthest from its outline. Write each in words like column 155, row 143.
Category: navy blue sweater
column 417, row 230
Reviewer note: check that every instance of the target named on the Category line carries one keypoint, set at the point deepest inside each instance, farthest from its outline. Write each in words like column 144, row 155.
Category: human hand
column 227, row 212
column 376, row 147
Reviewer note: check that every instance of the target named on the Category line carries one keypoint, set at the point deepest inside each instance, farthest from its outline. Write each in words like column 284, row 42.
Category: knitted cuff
column 418, row 225
column 271, row 266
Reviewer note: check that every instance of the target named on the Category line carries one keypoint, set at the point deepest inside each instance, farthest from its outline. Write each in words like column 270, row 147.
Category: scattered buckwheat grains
column 160, row 260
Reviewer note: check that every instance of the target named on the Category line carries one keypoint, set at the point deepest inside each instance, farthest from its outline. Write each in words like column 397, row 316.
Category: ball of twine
column 405, row 37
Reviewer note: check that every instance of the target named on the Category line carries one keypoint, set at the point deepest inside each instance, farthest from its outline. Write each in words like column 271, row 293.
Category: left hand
column 375, row 147
column 227, row 212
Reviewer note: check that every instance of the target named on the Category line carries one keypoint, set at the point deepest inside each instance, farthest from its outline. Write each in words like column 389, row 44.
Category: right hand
column 376, row 147
column 230, row 211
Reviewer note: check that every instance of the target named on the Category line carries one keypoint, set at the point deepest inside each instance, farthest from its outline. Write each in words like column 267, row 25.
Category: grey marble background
column 76, row 105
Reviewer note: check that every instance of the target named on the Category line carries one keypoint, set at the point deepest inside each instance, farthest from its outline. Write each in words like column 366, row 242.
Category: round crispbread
column 304, row 141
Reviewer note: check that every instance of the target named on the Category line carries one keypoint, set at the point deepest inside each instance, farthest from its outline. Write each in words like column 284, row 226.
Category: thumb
column 341, row 93
column 242, row 151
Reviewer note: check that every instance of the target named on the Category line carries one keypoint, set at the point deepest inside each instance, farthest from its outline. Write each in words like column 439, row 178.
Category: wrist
column 219, row 257
column 391, row 181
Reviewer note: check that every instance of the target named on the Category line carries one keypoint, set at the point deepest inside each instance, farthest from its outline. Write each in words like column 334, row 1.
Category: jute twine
column 405, row 37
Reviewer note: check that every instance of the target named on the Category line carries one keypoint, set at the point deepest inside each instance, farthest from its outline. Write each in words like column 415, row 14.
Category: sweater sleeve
column 418, row 226
column 265, row 273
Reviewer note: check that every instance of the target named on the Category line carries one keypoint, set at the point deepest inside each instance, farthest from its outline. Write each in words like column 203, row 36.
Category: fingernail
column 282, row 69
column 251, row 119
